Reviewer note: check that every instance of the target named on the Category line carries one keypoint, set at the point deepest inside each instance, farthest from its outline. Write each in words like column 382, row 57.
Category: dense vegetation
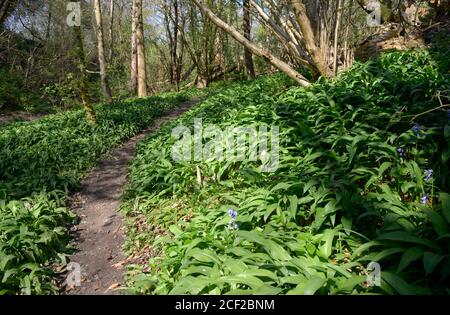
column 40, row 162
column 361, row 180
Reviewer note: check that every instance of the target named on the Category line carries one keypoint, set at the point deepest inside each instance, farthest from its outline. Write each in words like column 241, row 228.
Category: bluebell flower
column 424, row 199
column 232, row 225
column 416, row 128
column 428, row 174
column 232, row 213
column 401, row 151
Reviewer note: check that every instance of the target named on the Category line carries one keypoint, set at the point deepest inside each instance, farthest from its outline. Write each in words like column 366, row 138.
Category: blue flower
column 424, row 199
column 233, row 214
column 416, row 128
column 401, row 151
column 232, row 225
column 428, row 174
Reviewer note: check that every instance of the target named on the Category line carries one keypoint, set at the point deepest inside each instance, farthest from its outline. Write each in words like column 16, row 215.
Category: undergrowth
column 361, row 180
column 40, row 163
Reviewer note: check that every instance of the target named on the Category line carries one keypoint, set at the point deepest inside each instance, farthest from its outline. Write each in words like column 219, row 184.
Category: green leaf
column 308, row 288
column 293, row 205
column 347, row 223
column 192, row 285
column 204, row 255
column 175, row 230
column 264, row 273
column 327, row 247
column 408, row 238
column 378, row 256
column 398, row 284
column 408, row 257
column 439, row 223
column 430, row 261
column 251, row 281
column 346, row 285
column 272, row 248
column 445, row 201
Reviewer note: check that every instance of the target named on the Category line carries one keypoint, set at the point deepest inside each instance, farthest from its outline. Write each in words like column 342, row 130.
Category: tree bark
column 336, row 36
column 101, row 52
column 277, row 63
column 141, row 66
column 247, row 26
column 133, row 66
column 111, row 34
column 176, row 73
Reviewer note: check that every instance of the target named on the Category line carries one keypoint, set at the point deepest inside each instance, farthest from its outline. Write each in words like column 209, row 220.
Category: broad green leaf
column 407, row 238
column 327, row 248
column 431, row 261
column 310, row 287
column 204, row 255
column 445, row 201
column 408, row 257
column 251, row 281
column 398, row 284
column 439, row 223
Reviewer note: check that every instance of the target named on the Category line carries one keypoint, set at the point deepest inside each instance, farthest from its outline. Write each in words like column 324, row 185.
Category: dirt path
column 98, row 235
column 7, row 117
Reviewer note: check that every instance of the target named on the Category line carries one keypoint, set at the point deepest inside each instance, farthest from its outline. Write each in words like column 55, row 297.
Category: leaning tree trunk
column 247, row 26
column 83, row 80
column 277, row 63
column 141, row 72
column 101, row 52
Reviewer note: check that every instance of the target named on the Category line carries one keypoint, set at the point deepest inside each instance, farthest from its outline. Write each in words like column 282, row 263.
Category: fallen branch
column 431, row 110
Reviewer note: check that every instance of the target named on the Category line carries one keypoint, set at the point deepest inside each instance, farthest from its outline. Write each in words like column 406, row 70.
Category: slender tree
column 133, row 66
column 247, row 26
column 101, row 52
column 336, row 36
column 111, row 30
column 141, row 65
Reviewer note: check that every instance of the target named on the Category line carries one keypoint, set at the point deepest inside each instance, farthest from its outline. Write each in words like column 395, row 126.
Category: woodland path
column 98, row 236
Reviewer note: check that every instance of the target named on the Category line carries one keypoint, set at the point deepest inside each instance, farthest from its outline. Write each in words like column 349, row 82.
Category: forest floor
column 98, row 235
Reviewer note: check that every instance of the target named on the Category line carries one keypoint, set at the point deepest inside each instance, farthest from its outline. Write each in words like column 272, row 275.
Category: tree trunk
column 82, row 82
column 336, row 36
column 141, row 67
column 101, row 52
column 307, row 31
column 247, row 25
column 277, row 63
column 176, row 74
column 111, row 35
column 133, row 66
